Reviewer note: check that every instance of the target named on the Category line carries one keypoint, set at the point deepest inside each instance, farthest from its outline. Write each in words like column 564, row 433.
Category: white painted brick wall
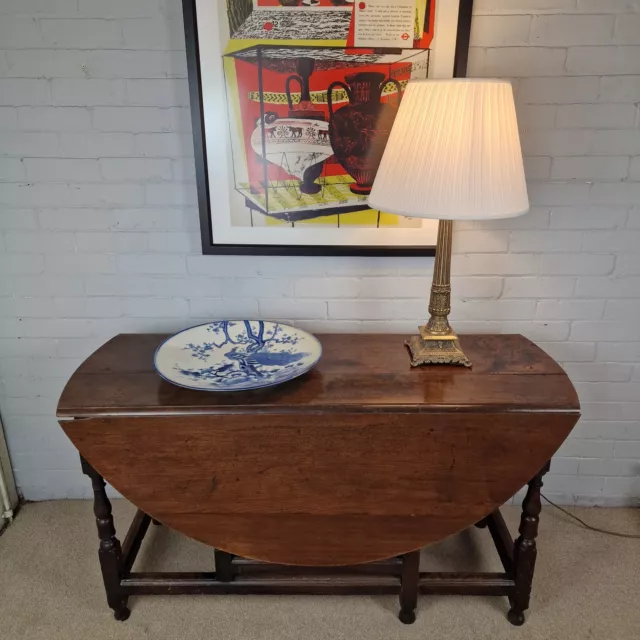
column 99, row 226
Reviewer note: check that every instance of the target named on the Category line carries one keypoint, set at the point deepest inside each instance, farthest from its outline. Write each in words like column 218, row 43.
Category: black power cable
column 618, row 534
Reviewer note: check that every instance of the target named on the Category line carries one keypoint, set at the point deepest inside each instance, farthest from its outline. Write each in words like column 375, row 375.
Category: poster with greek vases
column 298, row 100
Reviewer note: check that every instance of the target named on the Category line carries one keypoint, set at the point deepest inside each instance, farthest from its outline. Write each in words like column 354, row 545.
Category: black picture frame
column 209, row 247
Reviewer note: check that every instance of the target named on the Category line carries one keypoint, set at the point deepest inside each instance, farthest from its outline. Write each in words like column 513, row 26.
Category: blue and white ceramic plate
column 235, row 355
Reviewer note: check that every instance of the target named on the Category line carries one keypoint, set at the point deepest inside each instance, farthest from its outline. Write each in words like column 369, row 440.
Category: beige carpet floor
column 587, row 588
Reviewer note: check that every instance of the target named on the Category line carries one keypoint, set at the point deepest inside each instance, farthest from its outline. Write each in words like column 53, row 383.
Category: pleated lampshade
column 453, row 154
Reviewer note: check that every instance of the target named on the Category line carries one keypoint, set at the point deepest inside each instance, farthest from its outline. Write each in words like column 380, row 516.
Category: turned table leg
column 524, row 552
column 409, row 587
column 109, row 551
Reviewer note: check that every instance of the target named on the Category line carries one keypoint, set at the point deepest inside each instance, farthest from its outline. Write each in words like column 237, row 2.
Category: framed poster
column 292, row 105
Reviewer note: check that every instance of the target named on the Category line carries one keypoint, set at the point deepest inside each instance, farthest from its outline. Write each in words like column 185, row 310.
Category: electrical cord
column 617, row 534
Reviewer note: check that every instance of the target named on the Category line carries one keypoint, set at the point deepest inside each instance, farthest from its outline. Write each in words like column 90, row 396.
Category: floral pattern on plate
column 234, row 355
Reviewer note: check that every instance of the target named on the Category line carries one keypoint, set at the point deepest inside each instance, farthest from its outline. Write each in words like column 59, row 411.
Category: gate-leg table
column 517, row 558
column 332, row 483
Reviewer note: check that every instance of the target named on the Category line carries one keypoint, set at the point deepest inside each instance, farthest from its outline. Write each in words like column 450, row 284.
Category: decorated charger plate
column 236, row 355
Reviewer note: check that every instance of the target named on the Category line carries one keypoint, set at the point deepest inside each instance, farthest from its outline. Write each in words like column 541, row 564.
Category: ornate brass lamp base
column 436, row 351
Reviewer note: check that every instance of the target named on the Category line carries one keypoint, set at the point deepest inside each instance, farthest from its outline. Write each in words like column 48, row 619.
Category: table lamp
column 453, row 154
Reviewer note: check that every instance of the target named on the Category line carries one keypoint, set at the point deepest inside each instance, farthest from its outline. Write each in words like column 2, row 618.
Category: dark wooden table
column 331, row 483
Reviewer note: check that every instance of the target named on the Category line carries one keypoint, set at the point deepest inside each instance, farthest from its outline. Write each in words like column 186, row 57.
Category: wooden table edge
column 266, row 410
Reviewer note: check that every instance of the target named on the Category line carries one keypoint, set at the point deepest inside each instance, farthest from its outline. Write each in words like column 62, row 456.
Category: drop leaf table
column 328, row 484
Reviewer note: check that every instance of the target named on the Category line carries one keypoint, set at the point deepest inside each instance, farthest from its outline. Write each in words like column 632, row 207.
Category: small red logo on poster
column 268, row 26
column 362, row 6
column 405, row 36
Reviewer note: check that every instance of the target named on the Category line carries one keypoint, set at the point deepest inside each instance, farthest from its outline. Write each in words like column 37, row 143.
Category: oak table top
column 361, row 459
column 362, row 373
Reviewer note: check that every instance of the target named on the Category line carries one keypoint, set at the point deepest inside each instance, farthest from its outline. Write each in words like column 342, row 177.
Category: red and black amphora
column 359, row 131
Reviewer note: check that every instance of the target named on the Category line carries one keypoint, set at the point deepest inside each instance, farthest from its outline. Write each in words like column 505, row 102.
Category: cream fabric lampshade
column 454, row 153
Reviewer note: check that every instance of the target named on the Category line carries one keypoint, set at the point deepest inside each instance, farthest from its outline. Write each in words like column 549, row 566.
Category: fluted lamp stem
column 437, row 342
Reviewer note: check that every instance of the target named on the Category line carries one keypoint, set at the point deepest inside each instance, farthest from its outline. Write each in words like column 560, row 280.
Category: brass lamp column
column 453, row 154
column 437, row 342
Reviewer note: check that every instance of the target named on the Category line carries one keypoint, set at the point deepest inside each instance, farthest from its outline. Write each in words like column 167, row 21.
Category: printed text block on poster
column 384, row 23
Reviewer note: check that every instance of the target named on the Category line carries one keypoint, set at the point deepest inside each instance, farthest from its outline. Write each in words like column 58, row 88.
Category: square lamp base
column 434, row 351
